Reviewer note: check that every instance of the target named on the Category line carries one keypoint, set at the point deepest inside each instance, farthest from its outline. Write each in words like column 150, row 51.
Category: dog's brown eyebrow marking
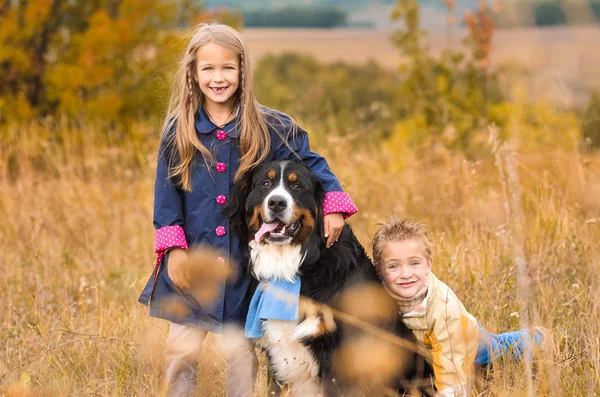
column 271, row 174
column 292, row 177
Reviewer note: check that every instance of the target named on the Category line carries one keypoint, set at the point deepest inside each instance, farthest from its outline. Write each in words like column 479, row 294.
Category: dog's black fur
column 326, row 273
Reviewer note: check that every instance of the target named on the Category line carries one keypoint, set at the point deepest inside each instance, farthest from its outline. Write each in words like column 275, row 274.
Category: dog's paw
column 314, row 318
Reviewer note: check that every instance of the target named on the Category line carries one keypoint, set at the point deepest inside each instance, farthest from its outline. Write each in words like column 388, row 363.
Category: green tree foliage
column 548, row 13
column 101, row 59
column 590, row 124
column 296, row 17
column 264, row 5
column 350, row 100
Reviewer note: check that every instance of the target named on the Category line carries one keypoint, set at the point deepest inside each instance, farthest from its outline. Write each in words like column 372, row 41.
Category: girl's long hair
column 186, row 98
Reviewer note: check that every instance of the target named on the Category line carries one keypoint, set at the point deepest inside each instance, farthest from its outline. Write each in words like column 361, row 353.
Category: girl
column 448, row 335
column 214, row 132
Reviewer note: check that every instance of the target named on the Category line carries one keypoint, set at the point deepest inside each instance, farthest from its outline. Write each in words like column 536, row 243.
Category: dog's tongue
column 264, row 229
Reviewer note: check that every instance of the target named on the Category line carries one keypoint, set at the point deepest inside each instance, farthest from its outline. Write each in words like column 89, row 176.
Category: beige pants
column 182, row 353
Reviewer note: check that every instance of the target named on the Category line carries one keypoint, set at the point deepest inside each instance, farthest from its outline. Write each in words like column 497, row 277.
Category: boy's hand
column 333, row 225
column 178, row 268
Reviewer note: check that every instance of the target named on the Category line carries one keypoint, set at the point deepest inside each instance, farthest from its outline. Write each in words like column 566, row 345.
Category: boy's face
column 404, row 267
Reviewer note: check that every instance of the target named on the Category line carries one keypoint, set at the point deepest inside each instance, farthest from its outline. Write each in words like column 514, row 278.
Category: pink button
column 220, row 231
column 221, row 199
column 221, row 167
column 221, row 135
column 221, row 259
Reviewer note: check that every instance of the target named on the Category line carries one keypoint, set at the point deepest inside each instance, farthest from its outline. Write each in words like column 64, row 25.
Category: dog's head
column 278, row 203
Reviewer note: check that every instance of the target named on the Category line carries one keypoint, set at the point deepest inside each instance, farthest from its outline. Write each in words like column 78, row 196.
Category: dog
column 277, row 211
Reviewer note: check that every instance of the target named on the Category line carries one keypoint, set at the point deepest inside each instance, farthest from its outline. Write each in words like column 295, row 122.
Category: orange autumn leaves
column 481, row 27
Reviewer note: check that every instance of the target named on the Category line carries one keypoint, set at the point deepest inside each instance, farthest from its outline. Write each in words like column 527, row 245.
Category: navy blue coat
column 199, row 214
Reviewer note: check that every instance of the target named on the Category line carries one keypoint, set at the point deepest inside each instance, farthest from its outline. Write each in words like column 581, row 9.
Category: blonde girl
column 214, row 132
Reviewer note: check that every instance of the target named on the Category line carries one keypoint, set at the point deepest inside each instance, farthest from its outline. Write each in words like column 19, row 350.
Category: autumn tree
column 481, row 31
column 99, row 59
column 442, row 95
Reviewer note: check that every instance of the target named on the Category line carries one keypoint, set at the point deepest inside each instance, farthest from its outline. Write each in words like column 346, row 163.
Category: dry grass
column 76, row 249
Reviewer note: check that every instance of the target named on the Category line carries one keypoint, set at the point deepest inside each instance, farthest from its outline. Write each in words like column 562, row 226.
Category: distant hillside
column 273, row 4
column 434, row 17
column 347, row 5
column 349, row 13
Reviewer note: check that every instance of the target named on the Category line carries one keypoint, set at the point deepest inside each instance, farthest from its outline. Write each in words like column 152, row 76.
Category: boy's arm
column 298, row 148
column 452, row 349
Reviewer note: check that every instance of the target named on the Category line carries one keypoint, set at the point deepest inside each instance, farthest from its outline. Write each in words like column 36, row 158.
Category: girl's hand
column 334, row 223
column 178, row 268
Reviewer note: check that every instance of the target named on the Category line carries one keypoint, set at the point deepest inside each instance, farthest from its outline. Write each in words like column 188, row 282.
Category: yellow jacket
column 448, row 337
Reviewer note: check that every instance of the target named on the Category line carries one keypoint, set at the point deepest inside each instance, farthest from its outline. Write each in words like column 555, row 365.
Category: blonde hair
column 186, row 98
column 398, row 230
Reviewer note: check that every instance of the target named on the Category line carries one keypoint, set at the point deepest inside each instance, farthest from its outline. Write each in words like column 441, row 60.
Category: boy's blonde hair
column 186, row 98
column 397, row 230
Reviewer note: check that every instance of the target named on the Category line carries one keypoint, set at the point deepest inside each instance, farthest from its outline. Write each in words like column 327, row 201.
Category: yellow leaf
column 25, row 378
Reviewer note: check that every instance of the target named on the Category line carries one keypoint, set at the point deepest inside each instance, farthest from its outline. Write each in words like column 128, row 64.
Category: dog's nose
column 277, row 204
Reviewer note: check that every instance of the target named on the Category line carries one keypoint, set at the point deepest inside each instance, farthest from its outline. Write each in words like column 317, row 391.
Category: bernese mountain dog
column 277, row 210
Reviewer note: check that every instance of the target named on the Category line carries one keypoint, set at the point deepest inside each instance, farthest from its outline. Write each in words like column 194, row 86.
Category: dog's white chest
column 291, row 361
column 271, row 261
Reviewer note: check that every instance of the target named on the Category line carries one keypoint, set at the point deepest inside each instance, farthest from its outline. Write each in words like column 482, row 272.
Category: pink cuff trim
column 168, row 237
column 339, row 202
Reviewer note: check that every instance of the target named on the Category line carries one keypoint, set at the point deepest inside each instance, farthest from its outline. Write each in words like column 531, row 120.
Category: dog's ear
column 235, row 209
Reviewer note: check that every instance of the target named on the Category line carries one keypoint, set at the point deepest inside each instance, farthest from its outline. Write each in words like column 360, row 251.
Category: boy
column 448, row 335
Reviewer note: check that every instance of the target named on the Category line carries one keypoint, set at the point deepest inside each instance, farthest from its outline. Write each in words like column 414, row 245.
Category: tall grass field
column 517, row 236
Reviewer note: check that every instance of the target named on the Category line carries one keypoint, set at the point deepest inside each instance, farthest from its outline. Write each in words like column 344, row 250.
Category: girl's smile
column 218, row 75
column 218, row 90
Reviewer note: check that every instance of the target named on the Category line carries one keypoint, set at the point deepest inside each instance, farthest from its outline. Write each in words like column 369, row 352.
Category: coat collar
column 205, row 126
column 421, row 309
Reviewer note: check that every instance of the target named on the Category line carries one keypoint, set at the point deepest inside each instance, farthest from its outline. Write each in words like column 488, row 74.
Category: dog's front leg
column 314, row 319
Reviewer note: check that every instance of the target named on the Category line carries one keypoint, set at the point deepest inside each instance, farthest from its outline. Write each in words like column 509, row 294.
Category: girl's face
column 405, row 266
column 218, row 74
